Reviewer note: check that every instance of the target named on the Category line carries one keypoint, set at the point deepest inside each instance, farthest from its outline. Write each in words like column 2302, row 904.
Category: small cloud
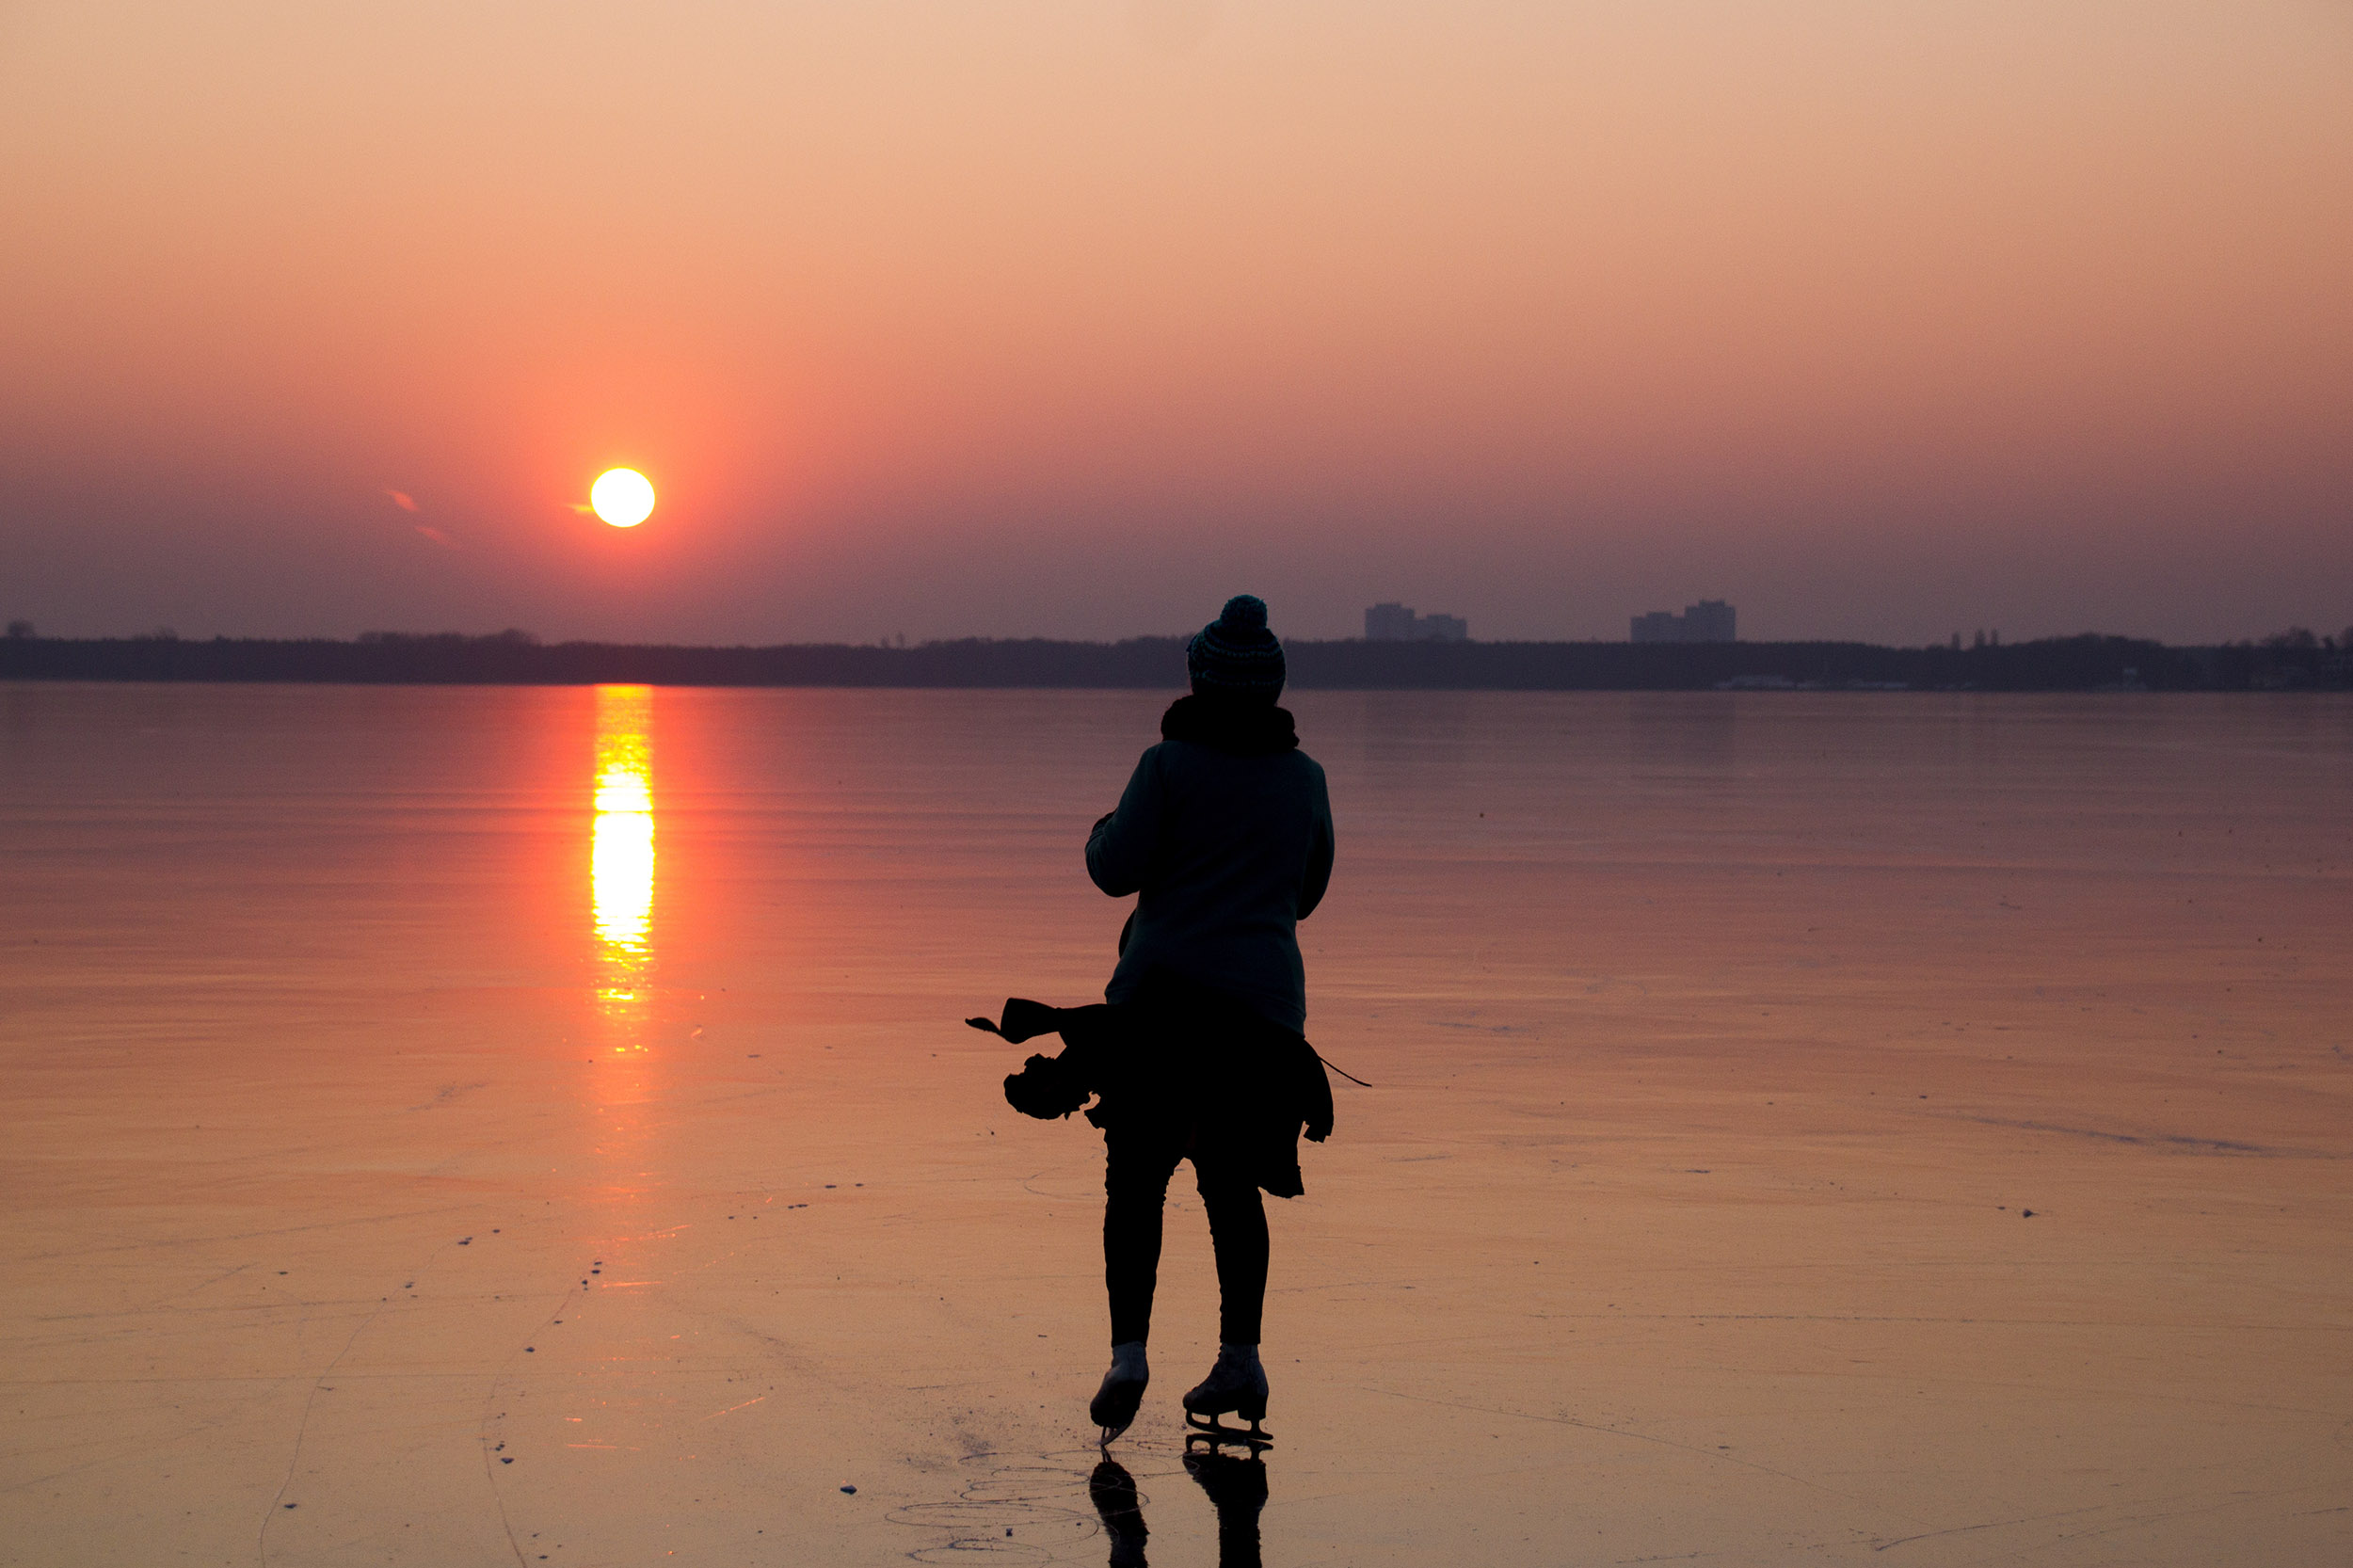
column 437, row 537
column 403, row 500
column 582, row 507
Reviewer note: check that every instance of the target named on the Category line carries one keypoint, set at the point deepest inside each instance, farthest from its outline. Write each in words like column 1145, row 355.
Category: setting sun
column 622, row 496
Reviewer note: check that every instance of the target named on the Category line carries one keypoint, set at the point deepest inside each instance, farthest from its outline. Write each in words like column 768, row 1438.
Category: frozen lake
column 451, row 1127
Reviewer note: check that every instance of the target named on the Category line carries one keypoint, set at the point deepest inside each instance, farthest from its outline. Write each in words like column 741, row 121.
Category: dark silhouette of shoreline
column 2081, row 664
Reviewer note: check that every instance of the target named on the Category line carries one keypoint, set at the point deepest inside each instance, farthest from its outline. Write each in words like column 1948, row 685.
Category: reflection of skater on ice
column 1113, row 1491
column 1237, row 1488
column 1224, row 836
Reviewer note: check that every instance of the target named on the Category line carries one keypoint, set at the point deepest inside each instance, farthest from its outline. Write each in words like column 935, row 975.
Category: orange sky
column 980, row 316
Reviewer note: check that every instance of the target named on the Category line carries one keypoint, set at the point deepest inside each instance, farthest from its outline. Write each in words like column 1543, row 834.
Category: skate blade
column 1214, row 1432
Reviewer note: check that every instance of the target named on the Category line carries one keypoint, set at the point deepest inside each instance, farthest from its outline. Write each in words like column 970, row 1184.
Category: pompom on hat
column 1235, row 655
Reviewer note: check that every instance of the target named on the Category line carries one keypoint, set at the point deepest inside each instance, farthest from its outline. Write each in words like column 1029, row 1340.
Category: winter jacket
column 1225, row 831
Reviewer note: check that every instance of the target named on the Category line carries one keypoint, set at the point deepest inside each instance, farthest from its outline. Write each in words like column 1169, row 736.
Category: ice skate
column 1235, row 1386
column 1115, row 1404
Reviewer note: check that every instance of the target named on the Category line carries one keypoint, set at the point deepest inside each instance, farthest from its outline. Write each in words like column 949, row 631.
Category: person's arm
column 1119, row 851
column 1318, row 877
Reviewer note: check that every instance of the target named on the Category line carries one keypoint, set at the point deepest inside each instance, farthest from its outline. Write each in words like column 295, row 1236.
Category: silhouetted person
column 1225, row 833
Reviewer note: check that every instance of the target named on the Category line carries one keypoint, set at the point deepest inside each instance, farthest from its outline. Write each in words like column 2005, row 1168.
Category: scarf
column 1235, row 729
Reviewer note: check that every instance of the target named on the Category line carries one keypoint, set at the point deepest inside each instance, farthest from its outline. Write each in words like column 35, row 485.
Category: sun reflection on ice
column 620, row 862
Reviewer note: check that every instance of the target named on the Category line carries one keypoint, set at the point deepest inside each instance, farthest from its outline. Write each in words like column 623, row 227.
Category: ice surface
column 453, row 1127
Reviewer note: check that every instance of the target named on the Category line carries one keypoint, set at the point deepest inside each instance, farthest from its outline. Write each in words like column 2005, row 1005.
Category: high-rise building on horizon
column 1396, row 623
column 1711, row 620
column 1657, row 626
column 1445, row 628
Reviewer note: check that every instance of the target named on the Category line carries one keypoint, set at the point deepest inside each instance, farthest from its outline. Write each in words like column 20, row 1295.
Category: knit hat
column 1235, row 655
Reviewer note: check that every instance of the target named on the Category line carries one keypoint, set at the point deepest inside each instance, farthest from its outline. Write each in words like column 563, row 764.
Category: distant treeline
column 2087, row 662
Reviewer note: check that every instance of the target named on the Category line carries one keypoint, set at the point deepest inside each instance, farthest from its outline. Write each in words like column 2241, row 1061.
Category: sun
column 621, row 497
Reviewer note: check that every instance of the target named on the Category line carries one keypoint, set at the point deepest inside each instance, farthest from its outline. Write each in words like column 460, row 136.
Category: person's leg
column 1238, row 1233
column 1137, row 1166
column 1239, row 1236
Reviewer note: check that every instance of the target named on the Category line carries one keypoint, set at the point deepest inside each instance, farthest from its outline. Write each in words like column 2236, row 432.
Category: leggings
column 1135, row 1184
